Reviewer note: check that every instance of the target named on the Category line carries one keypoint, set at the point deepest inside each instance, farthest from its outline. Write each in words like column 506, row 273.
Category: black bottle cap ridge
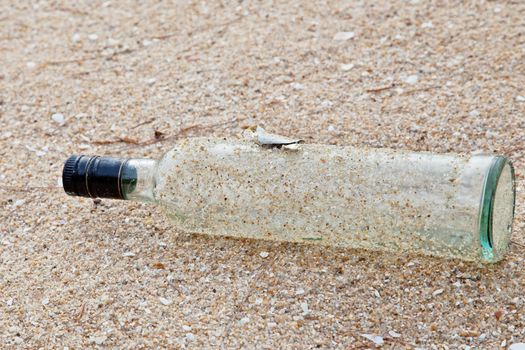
column 93, row 176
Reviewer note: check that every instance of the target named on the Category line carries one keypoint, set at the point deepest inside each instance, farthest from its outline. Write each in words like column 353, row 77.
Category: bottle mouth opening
column 497, row 209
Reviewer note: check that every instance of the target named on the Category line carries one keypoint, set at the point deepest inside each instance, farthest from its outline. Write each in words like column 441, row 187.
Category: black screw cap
column 93, row 176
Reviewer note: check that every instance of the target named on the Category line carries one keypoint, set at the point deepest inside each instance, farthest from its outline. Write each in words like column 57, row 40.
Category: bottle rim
column 490, row 251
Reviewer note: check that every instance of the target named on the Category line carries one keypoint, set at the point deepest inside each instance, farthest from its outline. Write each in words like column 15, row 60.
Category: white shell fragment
column 267, row 139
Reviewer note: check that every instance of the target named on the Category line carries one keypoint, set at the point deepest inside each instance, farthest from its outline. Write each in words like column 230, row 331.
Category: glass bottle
column 446, row 205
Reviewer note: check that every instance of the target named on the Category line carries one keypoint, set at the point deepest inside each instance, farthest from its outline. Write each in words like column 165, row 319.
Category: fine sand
column 128, row 79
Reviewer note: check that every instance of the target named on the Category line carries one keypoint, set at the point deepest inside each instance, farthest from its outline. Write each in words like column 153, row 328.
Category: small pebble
column 165, row 301
column 113, row 42
column 264, row 254
column 30, row 65
column 299, row 291
column 58, row 118
column 147, row 42
column 18, row 203
column 411, row 79
column 45, row 301
column 128, row 254
column 427, row 25
column 343, row 36
column 92, row 37
column 327, row 104
column 297, row 86
column 304, row 307
column 520, row 98
column 474, row 113
column 243, row 321
column 438, row 292
column 258, row 301
column 377, row 340
column 76, row 38
column 186, row 328
column 151, row 81
column 347, row 67
column 190, row 336
column 18, row 340
column 98, row 340
column 394, row 334
column 517, row 346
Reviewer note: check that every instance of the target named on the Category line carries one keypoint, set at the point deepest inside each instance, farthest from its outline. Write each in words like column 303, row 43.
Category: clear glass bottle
column 445, row 205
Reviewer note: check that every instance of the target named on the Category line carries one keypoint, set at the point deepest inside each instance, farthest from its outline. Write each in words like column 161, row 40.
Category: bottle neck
column 137, row 180
column 106, row 177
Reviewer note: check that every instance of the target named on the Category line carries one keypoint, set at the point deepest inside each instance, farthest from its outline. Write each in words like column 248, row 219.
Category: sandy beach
column 129, row 79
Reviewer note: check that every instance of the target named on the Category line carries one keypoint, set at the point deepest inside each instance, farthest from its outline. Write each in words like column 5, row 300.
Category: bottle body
column 375, row 199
